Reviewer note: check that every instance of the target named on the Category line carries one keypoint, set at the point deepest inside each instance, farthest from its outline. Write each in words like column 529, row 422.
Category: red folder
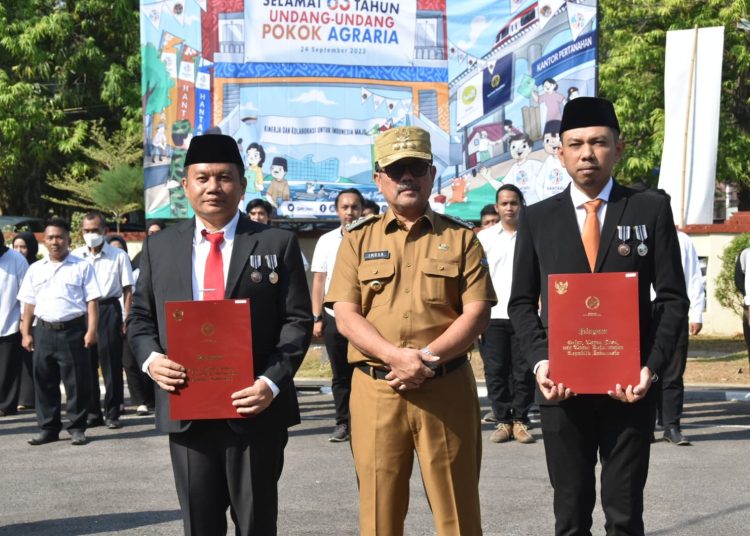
column 213, row 341
column 594, row 335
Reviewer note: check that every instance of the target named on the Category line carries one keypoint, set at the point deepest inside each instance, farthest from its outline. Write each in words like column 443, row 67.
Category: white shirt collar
column 67, row 259
column 497, row 229
column 229, row 229
column 579, row 198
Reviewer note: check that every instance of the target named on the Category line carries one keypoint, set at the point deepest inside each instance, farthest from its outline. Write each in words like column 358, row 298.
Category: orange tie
column 591, row 234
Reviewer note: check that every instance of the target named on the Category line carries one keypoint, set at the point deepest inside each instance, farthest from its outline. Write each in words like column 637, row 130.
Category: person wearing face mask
column 115, row 277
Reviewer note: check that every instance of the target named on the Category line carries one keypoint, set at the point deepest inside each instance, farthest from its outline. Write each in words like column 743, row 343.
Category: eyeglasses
column 416, row 168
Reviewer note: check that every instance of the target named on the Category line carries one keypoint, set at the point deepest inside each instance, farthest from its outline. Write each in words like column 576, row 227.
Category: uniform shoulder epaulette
column 459, row 221
column 360, row 222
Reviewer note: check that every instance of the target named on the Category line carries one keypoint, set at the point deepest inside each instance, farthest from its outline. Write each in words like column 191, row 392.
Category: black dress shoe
column 43, row 438
column 77, row 437
column 93, row 422
column 113, row 424
column 674, row 435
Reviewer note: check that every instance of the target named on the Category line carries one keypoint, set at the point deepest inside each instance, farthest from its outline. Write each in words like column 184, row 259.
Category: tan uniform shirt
column 411, row 284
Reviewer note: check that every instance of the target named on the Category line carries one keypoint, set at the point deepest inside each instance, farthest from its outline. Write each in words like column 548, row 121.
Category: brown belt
column 379, row 373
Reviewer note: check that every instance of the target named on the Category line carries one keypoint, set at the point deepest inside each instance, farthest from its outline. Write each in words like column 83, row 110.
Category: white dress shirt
column 744, row 264
column 13, row 267
column 499, row 245
column 111, row 266
column 59, row 290
column 324, row 257
column 201, row 249
column 693, row 278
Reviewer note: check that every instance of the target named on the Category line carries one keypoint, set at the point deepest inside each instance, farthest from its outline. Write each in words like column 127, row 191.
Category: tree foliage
column 119, row 191
column 80, row 184
column 631, row 73
column 726, row 292
column 65, row 67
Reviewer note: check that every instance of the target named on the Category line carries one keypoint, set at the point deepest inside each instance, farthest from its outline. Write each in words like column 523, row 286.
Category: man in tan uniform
column 411, row 292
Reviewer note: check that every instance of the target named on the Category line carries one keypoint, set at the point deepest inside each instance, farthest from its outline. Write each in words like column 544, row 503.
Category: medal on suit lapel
column 642, row 235
column 272, row 263
column 255, row 275
column 623, row 233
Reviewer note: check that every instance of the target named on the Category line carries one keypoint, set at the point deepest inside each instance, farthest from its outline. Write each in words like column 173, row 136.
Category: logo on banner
column 469, row 94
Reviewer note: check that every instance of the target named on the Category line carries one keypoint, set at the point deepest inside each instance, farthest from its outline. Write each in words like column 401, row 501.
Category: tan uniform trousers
column 440, row 420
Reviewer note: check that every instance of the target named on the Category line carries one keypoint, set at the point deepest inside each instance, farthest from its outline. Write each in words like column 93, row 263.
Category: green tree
column 65, row 65
column 80, row 184
column 119, row 191
column 631, row 73
column 726, row 292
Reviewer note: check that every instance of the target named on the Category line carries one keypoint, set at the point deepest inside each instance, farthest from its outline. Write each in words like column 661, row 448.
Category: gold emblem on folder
column 208, row 329
column 561, row 287
column 592, row 303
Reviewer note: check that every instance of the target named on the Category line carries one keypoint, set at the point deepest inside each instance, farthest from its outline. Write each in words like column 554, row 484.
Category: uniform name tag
column 369, row 255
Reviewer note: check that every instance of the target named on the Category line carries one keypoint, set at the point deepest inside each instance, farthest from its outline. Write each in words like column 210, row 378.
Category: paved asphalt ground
column 121, row 482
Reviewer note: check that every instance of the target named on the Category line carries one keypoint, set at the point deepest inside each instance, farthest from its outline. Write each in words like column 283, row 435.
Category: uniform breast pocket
column 73, row 281
column 440, row 280
column 376, row 283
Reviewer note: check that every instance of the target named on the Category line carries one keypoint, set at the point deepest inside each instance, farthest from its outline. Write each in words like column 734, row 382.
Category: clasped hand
column 408, row 369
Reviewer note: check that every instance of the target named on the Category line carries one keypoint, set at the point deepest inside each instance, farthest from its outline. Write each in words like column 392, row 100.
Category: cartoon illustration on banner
column 513, row 66
column 304, row 86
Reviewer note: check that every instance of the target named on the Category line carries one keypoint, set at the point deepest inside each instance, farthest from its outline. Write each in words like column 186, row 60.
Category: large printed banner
column 513, row 65
column 340, row 32
column 305, row 86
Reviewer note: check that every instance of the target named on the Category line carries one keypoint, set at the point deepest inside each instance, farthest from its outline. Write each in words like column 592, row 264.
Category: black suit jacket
column 549, row 242
column 281, row 314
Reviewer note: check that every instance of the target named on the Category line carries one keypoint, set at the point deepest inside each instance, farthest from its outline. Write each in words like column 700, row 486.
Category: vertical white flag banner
column 578, row 17
column 691, row 122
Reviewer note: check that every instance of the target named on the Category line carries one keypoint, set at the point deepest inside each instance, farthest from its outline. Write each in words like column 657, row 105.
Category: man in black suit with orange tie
column 583, row 229
column 234, row 463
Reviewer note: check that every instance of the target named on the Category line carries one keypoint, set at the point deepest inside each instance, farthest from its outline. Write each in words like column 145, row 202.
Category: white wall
column 717, row 320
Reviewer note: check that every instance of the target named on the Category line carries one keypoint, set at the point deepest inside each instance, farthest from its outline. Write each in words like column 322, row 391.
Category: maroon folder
column 594, row 337
column 213, row 341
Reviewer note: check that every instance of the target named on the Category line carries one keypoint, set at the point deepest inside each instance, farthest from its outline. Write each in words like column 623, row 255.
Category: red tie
column 213, row 277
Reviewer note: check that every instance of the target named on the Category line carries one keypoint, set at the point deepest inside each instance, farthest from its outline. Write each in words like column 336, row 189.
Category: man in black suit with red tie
column 233, row 463
column 583, row 230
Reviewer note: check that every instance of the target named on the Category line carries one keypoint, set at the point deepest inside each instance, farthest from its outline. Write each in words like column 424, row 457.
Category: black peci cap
column 213, row 149
column 589, row 112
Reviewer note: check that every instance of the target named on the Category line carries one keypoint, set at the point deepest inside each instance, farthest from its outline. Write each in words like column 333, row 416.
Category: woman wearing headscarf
column 26, row 244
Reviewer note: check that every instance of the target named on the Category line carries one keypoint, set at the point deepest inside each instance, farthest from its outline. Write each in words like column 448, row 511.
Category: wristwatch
column 317, row 318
